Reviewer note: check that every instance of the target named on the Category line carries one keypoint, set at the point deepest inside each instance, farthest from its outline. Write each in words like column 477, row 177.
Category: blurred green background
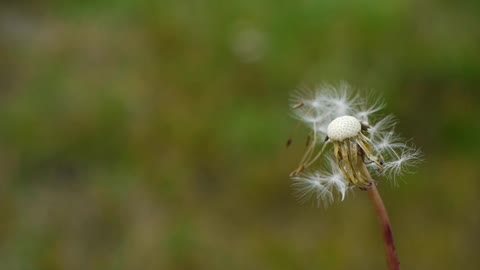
column 151, row 134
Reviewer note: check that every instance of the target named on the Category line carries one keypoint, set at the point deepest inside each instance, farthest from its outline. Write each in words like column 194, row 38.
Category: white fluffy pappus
column 322, row 186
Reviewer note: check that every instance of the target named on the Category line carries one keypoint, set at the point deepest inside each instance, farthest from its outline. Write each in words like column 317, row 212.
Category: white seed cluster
column 343, row 127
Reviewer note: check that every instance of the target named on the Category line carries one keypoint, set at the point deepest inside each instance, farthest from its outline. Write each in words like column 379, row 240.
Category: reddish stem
column 392, row 259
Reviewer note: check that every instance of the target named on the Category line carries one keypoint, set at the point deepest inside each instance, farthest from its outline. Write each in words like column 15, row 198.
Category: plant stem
column 392, row 259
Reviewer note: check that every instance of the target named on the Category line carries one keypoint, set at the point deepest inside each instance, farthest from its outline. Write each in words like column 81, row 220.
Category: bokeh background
column 151, row 134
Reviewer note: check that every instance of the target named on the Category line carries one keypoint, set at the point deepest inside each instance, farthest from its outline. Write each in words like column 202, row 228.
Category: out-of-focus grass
column 150, row 134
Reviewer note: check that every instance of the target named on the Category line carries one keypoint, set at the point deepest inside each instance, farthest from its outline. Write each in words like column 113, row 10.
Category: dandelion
column 352, row 141
column 361, row 142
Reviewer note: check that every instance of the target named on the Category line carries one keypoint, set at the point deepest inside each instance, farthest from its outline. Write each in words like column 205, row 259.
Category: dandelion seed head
column 343, row 127
column 361, row 141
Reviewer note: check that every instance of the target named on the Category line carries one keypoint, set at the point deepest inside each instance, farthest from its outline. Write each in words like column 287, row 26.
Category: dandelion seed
column 407, row 158
column 322, row 185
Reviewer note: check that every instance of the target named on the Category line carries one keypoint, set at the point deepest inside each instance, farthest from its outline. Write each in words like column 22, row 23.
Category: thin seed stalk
column 376, row 199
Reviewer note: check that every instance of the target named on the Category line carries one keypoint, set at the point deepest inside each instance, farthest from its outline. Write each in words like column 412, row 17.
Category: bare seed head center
column 343, row 127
